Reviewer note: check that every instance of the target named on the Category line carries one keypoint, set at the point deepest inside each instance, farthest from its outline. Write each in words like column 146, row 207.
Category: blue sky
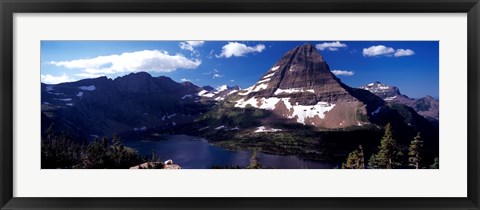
column 410, row 65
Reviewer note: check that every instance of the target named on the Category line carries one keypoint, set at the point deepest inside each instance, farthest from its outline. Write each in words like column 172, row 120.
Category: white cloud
column 238, row 49
column 404, row 52
column 382, row 50
column 50, row 79
column 342, row 73
column 331, row 46
column 185, row 80
column 232, row 80
column 377, row 50
column 211, row 54
column 87, row 75
column 146, row 60
column 216, row 75
column 211, row 72
column 190, row 45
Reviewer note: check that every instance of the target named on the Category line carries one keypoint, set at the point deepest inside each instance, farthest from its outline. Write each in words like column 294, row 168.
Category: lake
column 196, row 153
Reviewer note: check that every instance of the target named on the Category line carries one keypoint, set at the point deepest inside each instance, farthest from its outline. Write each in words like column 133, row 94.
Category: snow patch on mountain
column 292, row 90
column 376, row 87
column 269, row 75
column 221, row 88
column 300, row 112
column 303, row 112
column 376, row 111
column 390, row 98
column 187, row 96
column 260, row 87
column 247, row 91
column 220, row 127
column 209, row 95
column 88, row 88
column 263, row 129
column 274, row 68
column 232, row 92
column 202, row 92
column 143, row 128
column 265, row 80
column 49, row 88
column 80, row 94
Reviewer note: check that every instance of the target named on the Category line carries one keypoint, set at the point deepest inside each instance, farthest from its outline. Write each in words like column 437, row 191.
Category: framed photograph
column 239, row 105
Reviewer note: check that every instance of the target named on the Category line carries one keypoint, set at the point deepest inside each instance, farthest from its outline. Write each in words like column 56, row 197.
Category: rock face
column 427, row 106
column 301, row 87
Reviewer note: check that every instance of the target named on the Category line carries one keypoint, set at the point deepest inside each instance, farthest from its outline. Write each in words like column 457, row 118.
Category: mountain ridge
column 426, row 106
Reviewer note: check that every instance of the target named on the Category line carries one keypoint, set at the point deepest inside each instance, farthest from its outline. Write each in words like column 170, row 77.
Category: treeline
column 60, row 151
column 390, row 155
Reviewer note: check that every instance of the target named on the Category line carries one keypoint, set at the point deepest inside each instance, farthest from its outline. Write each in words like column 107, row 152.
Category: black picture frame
column 10, row 7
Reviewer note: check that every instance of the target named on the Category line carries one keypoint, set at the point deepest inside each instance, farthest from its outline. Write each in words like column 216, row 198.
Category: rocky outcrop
column 148, row 165
column 157, row 165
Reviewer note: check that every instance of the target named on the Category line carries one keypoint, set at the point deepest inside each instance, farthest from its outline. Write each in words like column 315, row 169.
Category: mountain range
column 135, row 102
column 426, row 106
column 298, row 95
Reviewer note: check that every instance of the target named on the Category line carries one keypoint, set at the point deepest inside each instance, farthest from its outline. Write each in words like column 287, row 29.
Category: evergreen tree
column 355, row 159
column 414, row 152
column 388, row 154
column 154, row 156
column 116, row 140
column 435, row 164
column 373, row 162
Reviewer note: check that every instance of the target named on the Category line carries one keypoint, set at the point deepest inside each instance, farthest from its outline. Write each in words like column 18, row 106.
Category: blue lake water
column 196, row 153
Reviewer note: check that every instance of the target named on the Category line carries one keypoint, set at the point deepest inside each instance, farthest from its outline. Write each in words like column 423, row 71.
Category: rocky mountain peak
column 426, row 106
column 382, row 90
column 300, row 86
column 302, row 74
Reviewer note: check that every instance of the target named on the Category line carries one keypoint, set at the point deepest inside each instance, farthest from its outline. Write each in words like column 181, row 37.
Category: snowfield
column 301, row 112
